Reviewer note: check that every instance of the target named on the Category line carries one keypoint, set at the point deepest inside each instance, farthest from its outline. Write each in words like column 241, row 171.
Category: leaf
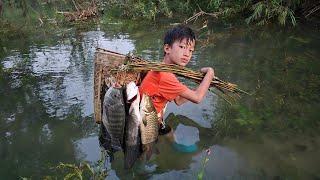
column 89, row 168
column 23, row 178
column 242, row 122
column 282, row 15
column 69, row 176
column 293, row 19
column 200, row 175
column 207, row 159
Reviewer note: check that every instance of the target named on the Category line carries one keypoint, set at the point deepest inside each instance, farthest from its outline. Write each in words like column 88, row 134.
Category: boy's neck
column 167, row 60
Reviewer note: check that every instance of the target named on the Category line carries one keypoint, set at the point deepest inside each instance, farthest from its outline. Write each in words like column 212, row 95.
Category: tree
column 1, row 6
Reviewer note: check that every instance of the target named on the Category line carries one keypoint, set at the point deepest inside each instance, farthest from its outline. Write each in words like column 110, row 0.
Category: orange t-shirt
column 161, row 87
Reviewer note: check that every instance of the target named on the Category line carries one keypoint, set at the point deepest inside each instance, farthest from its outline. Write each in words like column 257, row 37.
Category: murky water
column 46, row 110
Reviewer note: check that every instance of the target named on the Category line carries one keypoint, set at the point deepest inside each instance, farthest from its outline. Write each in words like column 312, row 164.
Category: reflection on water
column 46, row 106
column 88, row 149
column 69, row 70
column 223, row 163
column 202, row 113
column 51, row 83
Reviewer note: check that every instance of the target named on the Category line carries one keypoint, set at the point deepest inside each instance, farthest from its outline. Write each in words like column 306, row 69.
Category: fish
column 149, row 127
column 105, row 140
column 113, row 119
column 133, row 149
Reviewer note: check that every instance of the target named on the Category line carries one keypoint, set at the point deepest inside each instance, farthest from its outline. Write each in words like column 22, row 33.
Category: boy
column 162, row 87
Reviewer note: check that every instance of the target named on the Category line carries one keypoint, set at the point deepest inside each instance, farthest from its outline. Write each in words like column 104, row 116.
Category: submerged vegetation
column 83, row 171
column 203, row 164
column 283, row 81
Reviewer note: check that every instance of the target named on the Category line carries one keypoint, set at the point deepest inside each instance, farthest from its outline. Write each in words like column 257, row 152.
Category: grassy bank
column 256, row 12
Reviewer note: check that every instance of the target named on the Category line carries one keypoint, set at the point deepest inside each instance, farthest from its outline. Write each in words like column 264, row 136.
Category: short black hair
column 179, row 32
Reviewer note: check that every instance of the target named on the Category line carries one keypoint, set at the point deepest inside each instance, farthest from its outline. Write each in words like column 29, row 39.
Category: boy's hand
column 198, row 95
column 207, row 70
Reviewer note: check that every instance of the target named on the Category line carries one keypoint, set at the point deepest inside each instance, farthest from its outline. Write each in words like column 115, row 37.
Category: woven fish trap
column 104, row 61
column 121, row 75
column 122, row 78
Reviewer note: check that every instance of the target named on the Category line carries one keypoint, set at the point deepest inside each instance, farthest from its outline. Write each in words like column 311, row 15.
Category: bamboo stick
column 139, row 65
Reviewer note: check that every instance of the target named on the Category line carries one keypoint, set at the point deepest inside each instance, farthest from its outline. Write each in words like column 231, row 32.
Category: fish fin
column 131, row 154
column 156, row 151
column 143, row 118
column 144, row 122
column 105, row 116
column 111, row 155
column 116, row 145
column 131, row 90
column 148, row 150
column 105, row 142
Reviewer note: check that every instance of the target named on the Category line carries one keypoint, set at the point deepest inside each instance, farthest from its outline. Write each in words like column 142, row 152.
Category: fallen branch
column 315, row 9
column 201, row 13
column 81, row 14
column 75, row 5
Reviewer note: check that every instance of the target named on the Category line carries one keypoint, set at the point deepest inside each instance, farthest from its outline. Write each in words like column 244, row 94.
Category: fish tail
column 148, row 150
column 131, row 154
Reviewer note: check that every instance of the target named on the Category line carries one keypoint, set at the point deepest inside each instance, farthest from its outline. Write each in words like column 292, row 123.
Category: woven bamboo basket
column 104, row 61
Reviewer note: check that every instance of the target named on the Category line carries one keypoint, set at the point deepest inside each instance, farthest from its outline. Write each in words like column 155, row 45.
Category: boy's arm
column 180, row 100
column 196, row 96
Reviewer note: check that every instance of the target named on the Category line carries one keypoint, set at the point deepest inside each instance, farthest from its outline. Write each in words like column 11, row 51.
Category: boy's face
column 180, row 52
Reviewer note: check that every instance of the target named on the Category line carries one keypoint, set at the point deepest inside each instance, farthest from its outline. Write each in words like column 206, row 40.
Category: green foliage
column 203, row 164
column 215, row 4
column 83, row 171
column 236, row 120
column 246, row 118
column 146, row 9
column 259, row 12
column 283, row 76
column 76, row 172
column 266, row 11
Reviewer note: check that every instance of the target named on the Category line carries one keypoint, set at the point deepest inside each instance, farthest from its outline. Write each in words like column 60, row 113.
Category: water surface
column 46, row 95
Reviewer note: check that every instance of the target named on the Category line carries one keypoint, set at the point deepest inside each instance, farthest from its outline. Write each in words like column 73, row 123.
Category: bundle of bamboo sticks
column 228, row 91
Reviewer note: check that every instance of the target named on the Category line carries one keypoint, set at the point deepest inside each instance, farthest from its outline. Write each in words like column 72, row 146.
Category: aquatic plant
column 82, row 171
column 203, row 164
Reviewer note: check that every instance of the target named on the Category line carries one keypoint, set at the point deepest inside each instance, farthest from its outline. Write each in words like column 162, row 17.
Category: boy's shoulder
column 169, row 78
column 167, row 75
column 161, row 77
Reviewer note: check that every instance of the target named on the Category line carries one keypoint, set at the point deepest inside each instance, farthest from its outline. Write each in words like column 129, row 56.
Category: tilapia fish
column 149, row 126
column 132, row 149
column 113, row 119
